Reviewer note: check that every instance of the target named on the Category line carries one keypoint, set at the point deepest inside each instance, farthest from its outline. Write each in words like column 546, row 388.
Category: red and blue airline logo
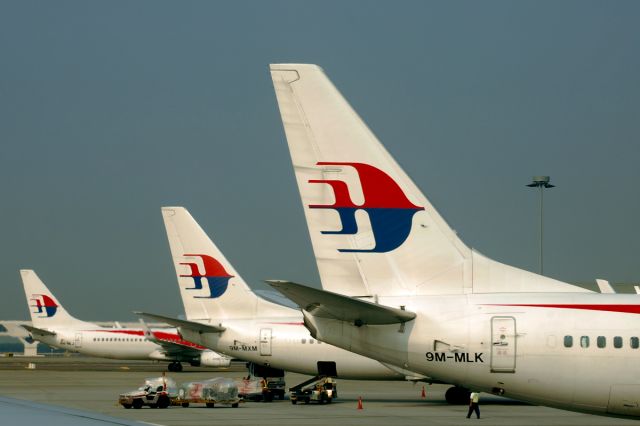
column 390, row 211
column 43, row 305
column 216, row 276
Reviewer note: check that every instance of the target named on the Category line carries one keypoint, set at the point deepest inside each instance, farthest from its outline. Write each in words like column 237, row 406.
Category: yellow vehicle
column 321, row 391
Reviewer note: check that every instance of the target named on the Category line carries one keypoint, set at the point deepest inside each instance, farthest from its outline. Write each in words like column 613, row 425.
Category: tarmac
column 93, row 385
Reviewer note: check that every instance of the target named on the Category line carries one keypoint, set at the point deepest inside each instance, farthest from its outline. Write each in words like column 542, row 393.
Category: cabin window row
column 311, row 341
column 601, row 342
column 118, row 339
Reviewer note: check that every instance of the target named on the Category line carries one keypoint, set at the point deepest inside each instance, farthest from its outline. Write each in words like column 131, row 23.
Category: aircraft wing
column 171, row 347
column 191, row 325
column 38, row 331
column 326, row 304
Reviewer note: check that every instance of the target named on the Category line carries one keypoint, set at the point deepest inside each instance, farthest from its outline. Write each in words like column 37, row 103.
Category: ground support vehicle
column 321, row 390
column 276, row 387
column 155, row 393
column 209, row 392
column 265, row 389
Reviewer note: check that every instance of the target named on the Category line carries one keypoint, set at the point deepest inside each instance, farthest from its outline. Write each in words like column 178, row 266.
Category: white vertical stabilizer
column 210, row 287
column 45, row 309
column 373, row 231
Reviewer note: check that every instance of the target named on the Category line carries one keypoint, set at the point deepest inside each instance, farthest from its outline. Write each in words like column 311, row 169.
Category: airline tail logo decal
column 216, row 276
column 390, row 211
column 43, row 305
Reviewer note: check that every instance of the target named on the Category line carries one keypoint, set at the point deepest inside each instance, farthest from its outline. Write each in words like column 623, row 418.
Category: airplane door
column 503, row 345
column 78, row 340
column 265, row 341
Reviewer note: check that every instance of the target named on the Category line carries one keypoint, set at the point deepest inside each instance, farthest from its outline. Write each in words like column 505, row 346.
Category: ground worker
column 474, row 399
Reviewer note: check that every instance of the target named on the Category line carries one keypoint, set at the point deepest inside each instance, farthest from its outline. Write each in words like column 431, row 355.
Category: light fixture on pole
column 541, row 182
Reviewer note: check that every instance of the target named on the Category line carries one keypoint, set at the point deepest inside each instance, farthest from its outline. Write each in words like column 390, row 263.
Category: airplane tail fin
column 45, row 309
column 210, row 286
column 372, row 230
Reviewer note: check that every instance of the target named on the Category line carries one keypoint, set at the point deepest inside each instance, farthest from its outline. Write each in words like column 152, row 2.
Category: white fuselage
column 285, row 343
column 528, row 346
column 112, row 343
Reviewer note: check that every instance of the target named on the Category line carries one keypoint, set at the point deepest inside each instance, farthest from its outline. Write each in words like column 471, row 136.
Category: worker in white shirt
column 474, row 398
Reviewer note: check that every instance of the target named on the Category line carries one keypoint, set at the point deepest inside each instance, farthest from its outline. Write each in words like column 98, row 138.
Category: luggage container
column 265, row 389
column 211, row 392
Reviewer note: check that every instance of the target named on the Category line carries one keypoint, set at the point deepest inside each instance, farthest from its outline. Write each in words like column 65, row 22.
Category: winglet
column 326, row 304
column 605, row 287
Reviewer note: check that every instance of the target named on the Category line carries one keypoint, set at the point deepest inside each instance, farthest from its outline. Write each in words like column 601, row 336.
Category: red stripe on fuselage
column 160, row 335
column 285, row 323
column 627, row 309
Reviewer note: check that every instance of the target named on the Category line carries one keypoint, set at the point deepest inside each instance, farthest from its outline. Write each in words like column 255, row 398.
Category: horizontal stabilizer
column 409, row 375
column 190, row 325
column 325, row 304
column 38, row 331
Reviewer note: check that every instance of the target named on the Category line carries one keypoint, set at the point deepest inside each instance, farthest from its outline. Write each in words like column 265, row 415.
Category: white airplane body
column 52, row 325
column 284, row 343
column 225, row 315
column 400, row 287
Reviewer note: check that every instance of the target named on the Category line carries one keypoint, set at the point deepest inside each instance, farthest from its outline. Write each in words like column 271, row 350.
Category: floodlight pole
column 541, row 182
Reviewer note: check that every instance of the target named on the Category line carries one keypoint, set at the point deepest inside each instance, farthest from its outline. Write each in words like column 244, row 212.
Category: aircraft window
column 310, row 341
column 617, row 342
column 568, row 341
column 584, row 341
column 601, row 341
column 635, row 343
column 304, row 340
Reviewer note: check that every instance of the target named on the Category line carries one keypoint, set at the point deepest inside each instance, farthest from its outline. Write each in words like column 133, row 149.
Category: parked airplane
column 402, row 288
column 225, row 315
column 51, row 324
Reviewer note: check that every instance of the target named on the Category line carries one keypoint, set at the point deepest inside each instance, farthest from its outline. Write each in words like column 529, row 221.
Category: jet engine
column 212, row 359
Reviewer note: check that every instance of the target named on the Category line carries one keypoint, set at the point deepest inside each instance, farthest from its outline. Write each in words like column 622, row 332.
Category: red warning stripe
column 627, row 309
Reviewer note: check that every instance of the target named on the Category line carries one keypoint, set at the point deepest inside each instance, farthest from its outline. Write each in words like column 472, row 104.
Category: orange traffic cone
column 424, row 394
column 359, row 403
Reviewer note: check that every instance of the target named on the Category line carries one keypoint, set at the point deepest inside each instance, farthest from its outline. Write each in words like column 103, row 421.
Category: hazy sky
column 110, row 110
